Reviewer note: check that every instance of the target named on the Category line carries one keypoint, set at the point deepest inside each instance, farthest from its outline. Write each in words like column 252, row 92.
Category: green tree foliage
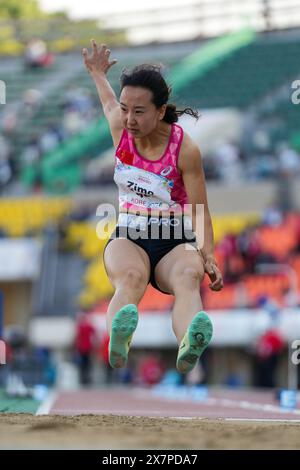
column 21, row 19
column 19, row 9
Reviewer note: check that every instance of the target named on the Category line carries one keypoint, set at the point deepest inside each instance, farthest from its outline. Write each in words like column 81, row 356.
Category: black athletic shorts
column 157, row 236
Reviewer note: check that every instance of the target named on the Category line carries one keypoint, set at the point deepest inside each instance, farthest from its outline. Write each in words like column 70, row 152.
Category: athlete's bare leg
column 128, row 268
column 180, row 273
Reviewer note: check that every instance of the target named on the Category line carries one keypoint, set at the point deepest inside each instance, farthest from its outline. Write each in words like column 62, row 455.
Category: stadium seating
column 21, row 217
column 247, row 75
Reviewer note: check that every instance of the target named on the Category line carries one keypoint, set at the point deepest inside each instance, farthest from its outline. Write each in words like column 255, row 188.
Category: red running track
column 219, row 404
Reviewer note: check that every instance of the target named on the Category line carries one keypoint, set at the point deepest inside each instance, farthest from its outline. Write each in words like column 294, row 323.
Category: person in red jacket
column 151, row 369
column 85, row 340
column 104, row 357
column 268, row 349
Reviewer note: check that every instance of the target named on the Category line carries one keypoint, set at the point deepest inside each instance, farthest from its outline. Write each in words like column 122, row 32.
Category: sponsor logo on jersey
column 142, row 192
column 142, row 179
column 166, row 171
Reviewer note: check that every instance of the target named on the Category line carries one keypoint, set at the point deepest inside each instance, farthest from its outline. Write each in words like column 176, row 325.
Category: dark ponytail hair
column 150, row 77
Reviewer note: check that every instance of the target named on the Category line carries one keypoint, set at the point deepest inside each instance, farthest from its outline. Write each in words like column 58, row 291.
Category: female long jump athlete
column 158, row 170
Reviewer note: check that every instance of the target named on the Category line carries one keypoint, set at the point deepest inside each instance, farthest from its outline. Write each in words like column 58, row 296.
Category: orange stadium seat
column 224, row 299
column 278, row 241
column 155, row 300
column 295, row 264
column 272, row 286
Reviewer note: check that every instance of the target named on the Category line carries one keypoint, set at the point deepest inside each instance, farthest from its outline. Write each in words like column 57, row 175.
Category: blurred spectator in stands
column 10, row 118
column 234, row 379
column 272, row 216
column 79, row 99
column 228, row 245
column 50, row 139
column 234, row 372
column 291, row 297
column 97, row 172
column 78, row 108
column 15, row 115
column 210, row 168
column 82, row 211
column 262, row 166
column 228, row 162
column 45, row 368
column 296, row 224
column 32, row 100
column 103, row 356
column 234, row 268
column 266, row 257
column 288, row 159
column 126, row 375
column 268, row 347
column 72, row 122
column 249, row 248
column 85, row 344
column 31, row 153
column 5, row 163
column 233, row 262
column 18, row 360
column 36, row 54
column 289, row 169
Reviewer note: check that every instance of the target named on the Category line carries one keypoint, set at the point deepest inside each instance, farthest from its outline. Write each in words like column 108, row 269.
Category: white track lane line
column 267, row 420
column 243, row 404
column 230, row 403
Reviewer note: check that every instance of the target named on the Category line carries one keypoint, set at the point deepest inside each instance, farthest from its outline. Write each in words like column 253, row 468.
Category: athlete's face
column 139, row 115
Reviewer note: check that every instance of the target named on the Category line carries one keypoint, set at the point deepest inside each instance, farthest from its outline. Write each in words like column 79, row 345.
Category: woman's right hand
column 98, row 61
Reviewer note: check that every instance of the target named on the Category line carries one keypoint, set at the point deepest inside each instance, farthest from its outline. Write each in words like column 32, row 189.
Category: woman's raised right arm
column 98, row 64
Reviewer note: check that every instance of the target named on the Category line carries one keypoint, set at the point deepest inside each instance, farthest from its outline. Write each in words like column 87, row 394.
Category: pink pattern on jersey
column 128, row 154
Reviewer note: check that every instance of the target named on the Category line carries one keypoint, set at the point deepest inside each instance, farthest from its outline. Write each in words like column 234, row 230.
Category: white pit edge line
column 46, row 405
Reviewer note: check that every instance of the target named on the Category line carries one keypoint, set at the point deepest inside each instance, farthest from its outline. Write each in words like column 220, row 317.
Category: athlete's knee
column 132, row 278
column 189, row 277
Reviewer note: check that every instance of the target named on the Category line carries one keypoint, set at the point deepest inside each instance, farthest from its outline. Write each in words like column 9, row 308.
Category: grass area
column 17, row 405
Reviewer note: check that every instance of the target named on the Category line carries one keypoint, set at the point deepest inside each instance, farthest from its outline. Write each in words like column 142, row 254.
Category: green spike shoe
column 194, row 342
column 123, row 326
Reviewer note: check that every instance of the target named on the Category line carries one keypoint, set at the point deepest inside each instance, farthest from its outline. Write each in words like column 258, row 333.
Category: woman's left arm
column 194, row 181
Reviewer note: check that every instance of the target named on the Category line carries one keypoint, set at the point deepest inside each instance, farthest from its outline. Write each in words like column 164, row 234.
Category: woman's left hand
column 211, row 268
